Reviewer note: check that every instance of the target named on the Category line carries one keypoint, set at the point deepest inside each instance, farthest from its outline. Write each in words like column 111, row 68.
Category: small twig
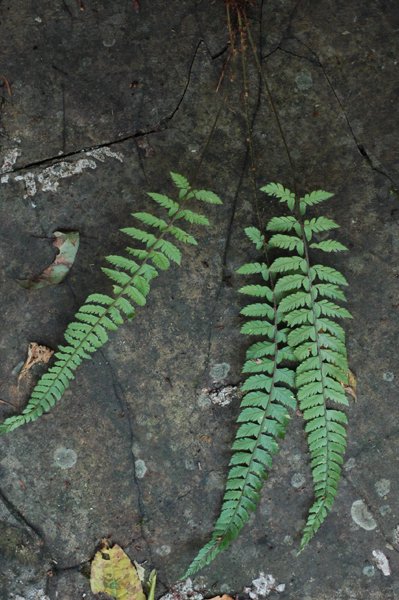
column 8, row 403
column 6, row 84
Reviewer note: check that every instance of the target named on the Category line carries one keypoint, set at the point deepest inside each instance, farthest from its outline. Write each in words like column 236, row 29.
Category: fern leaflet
column 263, row 414
column 132, row 277
column 318, row 343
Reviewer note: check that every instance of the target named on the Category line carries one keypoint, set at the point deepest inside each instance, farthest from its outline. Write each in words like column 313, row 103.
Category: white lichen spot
column 189, row 464
column 382, row 562
column 163, row 550
column 65, row 458
column 49, row 177
column 350, row 464
column 204, row 400
column 297, row 480
column 388, row 376
column 395, row 535
column 385, row 509
column 362, row 516
column 38, row 20
column 382, row 487
column 263, row 586
column 141, row 468
column 369, row 571
column 4, row 178
column 30, row 184
column 102, row 153
column 304, row 81
column 183, row 591
column 31, row 595
column 9, row 160
column 219, row 397
column 219, row 371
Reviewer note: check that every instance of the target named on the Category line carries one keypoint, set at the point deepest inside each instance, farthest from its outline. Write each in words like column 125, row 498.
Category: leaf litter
column 37, row 354
column 67, row 245
column 114, row 574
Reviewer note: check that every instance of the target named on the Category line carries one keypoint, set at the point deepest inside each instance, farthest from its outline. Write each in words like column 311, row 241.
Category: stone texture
column 132, row 451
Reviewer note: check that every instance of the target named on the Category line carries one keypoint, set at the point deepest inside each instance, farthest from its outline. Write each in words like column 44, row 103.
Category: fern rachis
column 317, row 341
column 132, row 278
column 263, row 414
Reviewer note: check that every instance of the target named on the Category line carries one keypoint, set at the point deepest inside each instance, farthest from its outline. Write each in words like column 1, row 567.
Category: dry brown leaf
column 37, row 354
column 224, row 597
column 351, row 385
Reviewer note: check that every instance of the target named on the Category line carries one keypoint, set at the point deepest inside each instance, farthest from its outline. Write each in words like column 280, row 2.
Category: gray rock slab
column 137, row 450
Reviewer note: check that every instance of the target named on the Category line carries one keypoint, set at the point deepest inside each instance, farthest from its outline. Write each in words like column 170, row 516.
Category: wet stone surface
column 137, row 450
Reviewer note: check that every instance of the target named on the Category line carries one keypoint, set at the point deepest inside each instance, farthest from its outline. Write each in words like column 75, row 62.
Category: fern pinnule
column 131, row 277
column 307, row 294
column 263, row 414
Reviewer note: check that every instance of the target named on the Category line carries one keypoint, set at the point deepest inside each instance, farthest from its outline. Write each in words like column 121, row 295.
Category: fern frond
column 318, row 344
column 103, row 313
column 263, row 416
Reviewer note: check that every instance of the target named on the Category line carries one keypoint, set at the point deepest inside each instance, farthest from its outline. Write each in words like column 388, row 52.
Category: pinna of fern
column 296, row 317
column 308, row 295
column 264, row 410
column 155, row 247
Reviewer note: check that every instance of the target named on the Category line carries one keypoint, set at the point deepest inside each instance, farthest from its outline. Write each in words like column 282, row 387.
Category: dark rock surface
column 134, row 450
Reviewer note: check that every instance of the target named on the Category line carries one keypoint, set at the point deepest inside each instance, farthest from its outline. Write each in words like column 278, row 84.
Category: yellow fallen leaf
column 113, row 573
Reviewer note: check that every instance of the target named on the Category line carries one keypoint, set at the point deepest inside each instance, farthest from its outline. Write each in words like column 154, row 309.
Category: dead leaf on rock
column 67, row 244
column 351, row 385
column 37, row 354
column 113, row 573
column 224, row 597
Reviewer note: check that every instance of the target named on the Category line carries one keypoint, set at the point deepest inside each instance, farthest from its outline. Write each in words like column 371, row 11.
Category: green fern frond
column 264, row 412
column 103, row 313
column 318, row 344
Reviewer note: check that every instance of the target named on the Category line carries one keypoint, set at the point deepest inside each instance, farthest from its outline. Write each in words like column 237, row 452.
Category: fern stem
column 273, row 107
